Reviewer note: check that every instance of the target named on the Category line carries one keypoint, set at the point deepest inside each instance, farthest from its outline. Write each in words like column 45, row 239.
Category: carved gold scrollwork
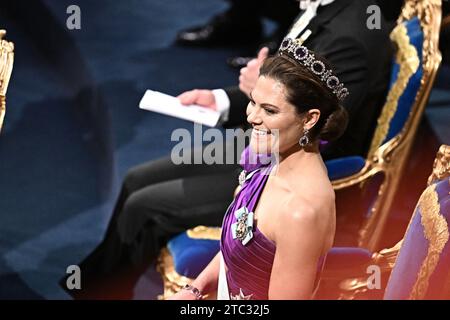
column 429, row 14
column 430, row 21
column 385, row 258
column 408, row 60
column 436, row 232
column 390, row 157
column 205, row 233
column 6, row 65
column 173, row 281
column 441, row 166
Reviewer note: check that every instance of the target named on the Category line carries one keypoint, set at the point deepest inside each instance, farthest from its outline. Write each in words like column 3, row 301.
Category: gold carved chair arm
column 352, row 288
column 172, row 280
column 441, row 165
column 363, row 175
column 385, row 258
column 207, row 233
column 6, row 66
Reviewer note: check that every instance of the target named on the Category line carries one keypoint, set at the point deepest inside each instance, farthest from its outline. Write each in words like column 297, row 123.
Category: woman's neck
column 297, row 159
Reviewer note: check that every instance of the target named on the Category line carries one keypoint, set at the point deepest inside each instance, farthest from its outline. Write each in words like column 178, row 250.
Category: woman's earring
column 304, row 140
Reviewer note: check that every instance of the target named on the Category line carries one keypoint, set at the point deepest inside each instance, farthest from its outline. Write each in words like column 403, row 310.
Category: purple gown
column 249, row 265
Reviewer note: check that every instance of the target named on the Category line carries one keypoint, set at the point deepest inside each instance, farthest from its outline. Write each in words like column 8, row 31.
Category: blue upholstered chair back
column 413, row 72
column 422, row 267
column 405, row 80
column 406, row 100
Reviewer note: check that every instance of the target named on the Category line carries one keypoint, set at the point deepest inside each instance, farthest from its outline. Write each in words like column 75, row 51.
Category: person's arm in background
column 231, row 102
column 238, row 95
column 238, row 104
column 217, row 100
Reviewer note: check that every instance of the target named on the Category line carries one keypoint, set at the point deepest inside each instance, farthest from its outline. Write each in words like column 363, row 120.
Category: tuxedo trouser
column 158, row 200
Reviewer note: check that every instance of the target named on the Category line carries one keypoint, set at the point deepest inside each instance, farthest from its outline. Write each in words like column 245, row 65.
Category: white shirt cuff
column 222, row 104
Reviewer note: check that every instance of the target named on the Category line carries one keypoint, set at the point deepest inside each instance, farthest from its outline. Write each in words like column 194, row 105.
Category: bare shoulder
column 300, row 210
column 305, row 214
column 310, row 204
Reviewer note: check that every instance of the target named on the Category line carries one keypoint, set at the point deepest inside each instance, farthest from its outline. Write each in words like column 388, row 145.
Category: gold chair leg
column 2, row 111
column 173, row 281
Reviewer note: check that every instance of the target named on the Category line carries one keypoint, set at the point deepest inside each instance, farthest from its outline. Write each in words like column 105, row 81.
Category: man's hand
column 204, row 98
column 250, row 73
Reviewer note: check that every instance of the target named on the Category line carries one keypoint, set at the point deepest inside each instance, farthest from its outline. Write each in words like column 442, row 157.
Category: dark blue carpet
column 73, row 126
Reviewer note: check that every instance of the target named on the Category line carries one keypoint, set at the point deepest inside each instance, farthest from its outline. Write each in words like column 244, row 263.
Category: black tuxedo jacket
column 360, row 57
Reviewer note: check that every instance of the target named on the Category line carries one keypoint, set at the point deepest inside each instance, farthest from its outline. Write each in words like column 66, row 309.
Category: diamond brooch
column 242, row 229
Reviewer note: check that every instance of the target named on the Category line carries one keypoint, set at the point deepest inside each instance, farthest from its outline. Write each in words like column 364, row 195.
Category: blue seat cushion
column 347, row 258
column 191, row 256
column 344, row 167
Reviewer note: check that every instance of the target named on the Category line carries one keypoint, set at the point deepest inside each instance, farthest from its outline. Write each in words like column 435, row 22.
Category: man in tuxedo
column 338, row 33
column 241, row 23
column 160, row 199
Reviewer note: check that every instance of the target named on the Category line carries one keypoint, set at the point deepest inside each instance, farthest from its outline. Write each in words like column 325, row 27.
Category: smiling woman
column 281, row 224
column 287, row 93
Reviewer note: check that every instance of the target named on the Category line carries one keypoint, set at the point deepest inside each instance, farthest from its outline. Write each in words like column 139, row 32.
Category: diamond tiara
column 307, row 58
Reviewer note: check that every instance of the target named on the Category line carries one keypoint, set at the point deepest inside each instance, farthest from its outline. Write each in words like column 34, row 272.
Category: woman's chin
column 260, row 147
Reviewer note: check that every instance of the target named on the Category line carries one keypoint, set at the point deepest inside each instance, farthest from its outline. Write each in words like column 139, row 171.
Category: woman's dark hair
column 306, row 91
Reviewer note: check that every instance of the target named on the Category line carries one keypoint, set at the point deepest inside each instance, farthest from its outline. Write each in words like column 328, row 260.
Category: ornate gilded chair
column 186, row 256
column 413, row 73
column 6, row 66
column 422, row 267
column 418, row 266
column 417, row 60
